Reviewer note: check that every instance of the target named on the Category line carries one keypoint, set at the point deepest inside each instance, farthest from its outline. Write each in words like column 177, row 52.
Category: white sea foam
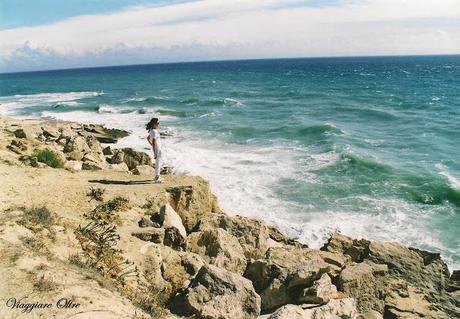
column 454, row 182
column 233, row 102
column 10, row 105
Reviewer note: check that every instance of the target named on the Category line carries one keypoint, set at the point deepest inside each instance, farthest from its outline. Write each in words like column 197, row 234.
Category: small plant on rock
column 48, row 157
column 106, row 211
column 98, row 241
column 95, row 194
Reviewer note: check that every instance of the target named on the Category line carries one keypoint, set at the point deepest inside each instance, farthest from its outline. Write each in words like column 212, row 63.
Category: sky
column 48, row 34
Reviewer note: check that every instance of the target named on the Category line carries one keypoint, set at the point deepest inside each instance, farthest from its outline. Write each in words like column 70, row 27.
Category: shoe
column 158, row 180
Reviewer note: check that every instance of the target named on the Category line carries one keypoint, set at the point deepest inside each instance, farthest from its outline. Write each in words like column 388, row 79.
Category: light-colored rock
column 194, row 204
column 50, row 132
column 284, row 272
column 122, row 167
column 363, row 282
column 371, row 314
column 73, row 166
column 217, row 293
column 320, row 292
column 219, row 248
column 144, row 170
column 334, row 309
column 169, row 218
column 252, row 234
column 133, row 158
column 91, row 166
column 77, row 144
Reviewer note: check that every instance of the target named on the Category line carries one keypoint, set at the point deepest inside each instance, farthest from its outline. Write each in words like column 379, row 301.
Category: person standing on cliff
column 154, row 140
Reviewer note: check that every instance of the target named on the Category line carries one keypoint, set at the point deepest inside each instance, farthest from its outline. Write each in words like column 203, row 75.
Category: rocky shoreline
column 140, row 250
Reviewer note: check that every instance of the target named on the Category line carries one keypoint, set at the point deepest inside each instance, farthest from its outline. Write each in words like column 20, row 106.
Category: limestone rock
column 146, row 221
column 320, row 292
column 334, row 309
column 283, row 274
column 355, row 249
column 77, row 144
column 371, row 314
column 91, row 166
column 144, row 170
column 73, row 166
column 194, row 204
column 151, row 234
column 363, row 282
column 25, row 133
column 103, row 134
column 219, row 248
column 169, row 218
column 218, row 293
column 107, row 151
column 122, row 167
column 117, row 157
column 134, row 158
column 174, row 239
column 252, row 234
column 50, row 132
column 166, row 170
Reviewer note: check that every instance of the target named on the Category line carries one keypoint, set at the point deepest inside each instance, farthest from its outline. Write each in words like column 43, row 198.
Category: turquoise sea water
column 367, row 146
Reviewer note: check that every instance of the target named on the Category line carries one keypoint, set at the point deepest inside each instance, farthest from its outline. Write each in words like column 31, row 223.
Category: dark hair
column 152, row 123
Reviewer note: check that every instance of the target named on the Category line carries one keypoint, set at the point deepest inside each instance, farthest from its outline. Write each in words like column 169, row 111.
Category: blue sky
column 49, row 34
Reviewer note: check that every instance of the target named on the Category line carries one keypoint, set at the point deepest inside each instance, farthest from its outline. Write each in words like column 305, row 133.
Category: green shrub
column 48, row 157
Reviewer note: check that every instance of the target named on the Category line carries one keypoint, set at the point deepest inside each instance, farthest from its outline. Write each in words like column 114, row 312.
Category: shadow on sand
column 118, row 182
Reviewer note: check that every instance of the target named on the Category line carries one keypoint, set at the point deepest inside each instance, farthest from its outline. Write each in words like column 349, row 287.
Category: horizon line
column 231, row 60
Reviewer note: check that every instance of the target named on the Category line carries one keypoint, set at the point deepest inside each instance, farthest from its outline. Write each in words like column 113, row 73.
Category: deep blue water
column 367, row 146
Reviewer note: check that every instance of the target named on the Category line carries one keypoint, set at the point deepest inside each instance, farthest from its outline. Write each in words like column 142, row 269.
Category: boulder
column 144, row 170
column 25, row 133
column 194, row 204
column 284, row 273
column 252, row 234
column 218, row 293
column 334, row 309
column 179, row 267
column 117, row 157
column 50, row 132
column 91, row 166
column 76, row 144
column 107, row 150
column 146, row 221
column 364, row 282
column 355, row 249
column 103, row 134
column 67, row 133
column 73, row 166
column 122, row 167
column 320, row 292
column 219, row 248
column 406, row 301
column 169, row 218
column 29, row 160
column 151, row 234
column 174, row 239
column 89, row 157
column 133, row 158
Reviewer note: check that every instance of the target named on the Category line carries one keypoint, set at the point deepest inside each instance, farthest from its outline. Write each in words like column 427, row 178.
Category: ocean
column 369, row 146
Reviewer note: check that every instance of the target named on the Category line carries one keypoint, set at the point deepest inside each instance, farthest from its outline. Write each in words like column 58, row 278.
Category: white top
column 153, row 133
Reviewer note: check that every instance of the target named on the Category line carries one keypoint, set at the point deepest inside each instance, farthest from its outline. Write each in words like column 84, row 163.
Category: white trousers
column 158, row 165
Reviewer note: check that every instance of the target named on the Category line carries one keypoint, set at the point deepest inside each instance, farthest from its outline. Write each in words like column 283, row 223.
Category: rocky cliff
column 85, row 223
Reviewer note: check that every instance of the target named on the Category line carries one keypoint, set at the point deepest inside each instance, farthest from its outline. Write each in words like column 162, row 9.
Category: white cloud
column 211, row 29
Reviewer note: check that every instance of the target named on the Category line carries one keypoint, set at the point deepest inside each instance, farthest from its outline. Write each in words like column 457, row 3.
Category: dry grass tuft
column 43, row 284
